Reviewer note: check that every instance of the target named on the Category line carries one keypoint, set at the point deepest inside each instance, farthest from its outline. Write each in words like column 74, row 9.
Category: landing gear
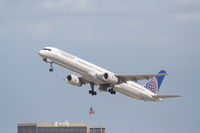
column 112, row 91
column 92, row 92
column 50, row 62
column 51, row 67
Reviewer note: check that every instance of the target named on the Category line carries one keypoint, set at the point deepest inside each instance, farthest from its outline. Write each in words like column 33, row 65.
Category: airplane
column 106, row 80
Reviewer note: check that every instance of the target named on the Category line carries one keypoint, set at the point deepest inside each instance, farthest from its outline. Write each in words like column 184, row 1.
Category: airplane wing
column 139, row 77
column 166, row 96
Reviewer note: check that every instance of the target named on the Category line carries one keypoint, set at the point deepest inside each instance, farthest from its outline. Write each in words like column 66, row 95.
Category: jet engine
column 110, row 78
column 73, row 80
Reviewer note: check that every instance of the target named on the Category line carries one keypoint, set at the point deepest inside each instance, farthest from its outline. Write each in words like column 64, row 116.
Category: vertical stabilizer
column 154, row 83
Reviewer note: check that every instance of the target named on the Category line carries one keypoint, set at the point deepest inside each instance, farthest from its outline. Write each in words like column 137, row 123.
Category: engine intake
column 69, row 77
column 110, row 78
column 73, row 80
column 106, row 75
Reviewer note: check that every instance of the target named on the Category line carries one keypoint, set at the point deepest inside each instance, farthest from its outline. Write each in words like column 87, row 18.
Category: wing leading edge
column 139, row 77
column 124, row 78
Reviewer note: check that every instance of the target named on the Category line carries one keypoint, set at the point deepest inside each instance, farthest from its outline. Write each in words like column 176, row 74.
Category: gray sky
column 125, row 36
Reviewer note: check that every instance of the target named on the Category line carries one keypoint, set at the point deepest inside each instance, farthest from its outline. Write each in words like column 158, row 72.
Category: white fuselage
column 90, row 72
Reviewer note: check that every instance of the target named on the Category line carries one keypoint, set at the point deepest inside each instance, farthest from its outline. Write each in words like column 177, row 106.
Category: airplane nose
column 41, row 53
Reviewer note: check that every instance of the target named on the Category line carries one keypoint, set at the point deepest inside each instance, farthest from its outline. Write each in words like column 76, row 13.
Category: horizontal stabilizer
column 166, row 96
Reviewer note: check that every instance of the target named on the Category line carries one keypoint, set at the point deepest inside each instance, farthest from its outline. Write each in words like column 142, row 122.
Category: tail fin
column 155, row 83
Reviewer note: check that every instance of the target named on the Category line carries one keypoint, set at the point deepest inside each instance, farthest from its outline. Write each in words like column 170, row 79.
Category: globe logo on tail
column 152, row 85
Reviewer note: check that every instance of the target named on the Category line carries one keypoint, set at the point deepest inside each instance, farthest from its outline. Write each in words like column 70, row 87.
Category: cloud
column 188, row 1
column 192, row 17
column 187, row 5
column 39, row 29
column 87, row 6
column 66, row 5
column 187, row 11
column 2, row 4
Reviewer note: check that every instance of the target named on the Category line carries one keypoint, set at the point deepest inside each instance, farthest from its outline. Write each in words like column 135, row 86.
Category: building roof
column 54, row 124
column 58, row 124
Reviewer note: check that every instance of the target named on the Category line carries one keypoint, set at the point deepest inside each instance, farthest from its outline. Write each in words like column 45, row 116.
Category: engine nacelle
column 73, row 80
column 110, row 78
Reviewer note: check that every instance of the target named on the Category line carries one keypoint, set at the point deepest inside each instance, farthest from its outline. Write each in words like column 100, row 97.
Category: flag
column 91, row 112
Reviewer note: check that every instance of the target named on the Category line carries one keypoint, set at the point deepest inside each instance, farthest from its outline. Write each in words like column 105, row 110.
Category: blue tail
column 155, row 83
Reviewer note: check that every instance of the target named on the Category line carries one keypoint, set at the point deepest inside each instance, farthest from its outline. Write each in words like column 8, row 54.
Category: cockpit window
column 47, row 49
